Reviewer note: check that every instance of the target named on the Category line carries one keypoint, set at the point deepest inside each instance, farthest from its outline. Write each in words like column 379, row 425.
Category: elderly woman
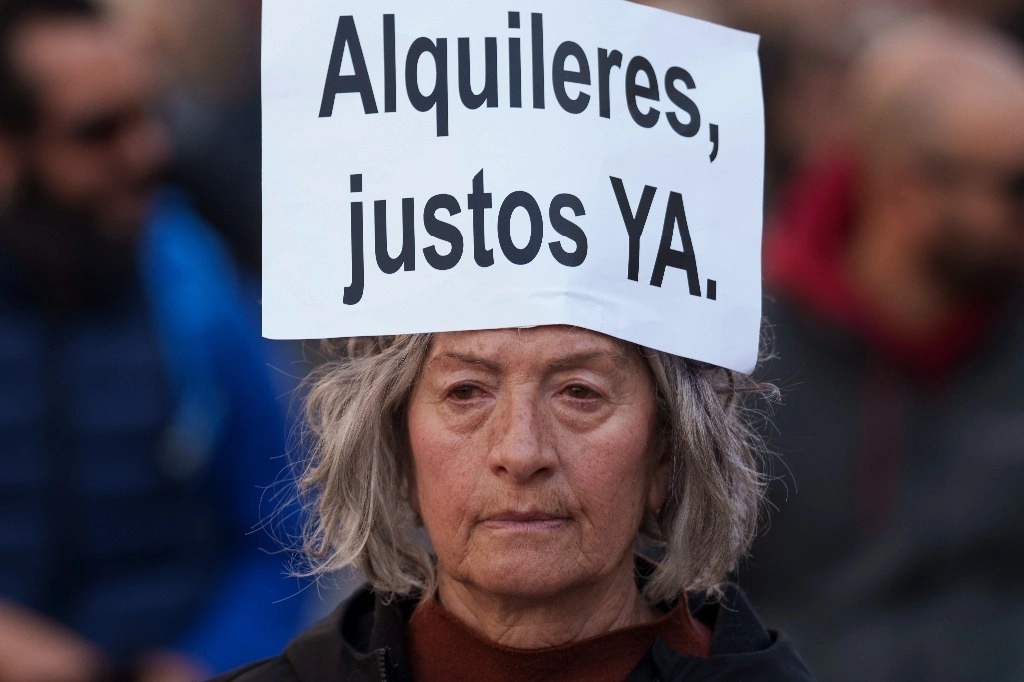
column 536, row 461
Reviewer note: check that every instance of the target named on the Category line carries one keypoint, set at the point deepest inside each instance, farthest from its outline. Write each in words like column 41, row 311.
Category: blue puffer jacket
column 137, row 439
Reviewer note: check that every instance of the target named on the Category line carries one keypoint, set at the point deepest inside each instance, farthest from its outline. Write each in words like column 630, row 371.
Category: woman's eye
column 464, row 392
column 579, row 392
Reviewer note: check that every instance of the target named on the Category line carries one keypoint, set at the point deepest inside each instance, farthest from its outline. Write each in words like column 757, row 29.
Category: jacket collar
column 364, row 635
column 365, row 638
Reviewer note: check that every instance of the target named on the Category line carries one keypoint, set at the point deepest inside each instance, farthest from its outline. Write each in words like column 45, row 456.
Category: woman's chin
column 519, row 581
column 529, row 572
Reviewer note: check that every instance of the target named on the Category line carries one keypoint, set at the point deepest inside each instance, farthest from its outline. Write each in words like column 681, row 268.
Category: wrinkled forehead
column 81, row 66
column 555, row 345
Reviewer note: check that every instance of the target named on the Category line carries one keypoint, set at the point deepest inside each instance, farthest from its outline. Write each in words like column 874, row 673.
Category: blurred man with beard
column 894, row 277
column 137, row 424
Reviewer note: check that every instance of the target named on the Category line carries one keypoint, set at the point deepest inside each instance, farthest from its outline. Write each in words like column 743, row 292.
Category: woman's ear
column 414, row 496
column 409, row 471
column 658, row 491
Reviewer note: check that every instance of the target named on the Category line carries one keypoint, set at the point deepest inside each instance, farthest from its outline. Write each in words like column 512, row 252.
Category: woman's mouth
column 524, row 521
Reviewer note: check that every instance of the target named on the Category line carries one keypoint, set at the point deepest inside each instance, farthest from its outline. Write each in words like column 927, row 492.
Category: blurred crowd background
column 143, row 421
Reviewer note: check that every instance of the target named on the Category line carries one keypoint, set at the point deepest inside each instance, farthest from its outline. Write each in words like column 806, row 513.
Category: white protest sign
column 474, row 165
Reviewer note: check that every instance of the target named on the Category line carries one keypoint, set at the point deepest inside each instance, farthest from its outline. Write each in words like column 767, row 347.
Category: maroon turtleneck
column 443, row 648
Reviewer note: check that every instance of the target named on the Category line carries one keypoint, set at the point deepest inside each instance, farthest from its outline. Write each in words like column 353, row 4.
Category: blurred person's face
column 972, row 189
column 97, row 149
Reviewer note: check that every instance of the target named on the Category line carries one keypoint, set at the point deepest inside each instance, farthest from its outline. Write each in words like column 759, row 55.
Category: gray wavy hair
column 355, row 487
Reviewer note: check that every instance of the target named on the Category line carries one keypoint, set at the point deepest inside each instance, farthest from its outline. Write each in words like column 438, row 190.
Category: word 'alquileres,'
column 570, row 69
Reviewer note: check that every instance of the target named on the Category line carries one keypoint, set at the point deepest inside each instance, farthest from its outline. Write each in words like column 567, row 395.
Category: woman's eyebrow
column 467, row 359
column 619, row 357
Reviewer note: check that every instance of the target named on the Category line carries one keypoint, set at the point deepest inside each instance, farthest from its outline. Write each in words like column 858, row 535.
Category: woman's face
column 534, row 456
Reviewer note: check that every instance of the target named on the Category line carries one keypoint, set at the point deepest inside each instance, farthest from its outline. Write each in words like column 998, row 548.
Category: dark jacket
column 364, row 641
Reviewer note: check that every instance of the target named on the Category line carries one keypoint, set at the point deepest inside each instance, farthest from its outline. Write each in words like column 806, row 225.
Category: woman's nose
column 523, row 449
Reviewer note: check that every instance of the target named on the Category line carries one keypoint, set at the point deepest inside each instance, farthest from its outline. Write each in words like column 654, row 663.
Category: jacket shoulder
column 359, row 639
column 742, row 648
column 274, row 669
